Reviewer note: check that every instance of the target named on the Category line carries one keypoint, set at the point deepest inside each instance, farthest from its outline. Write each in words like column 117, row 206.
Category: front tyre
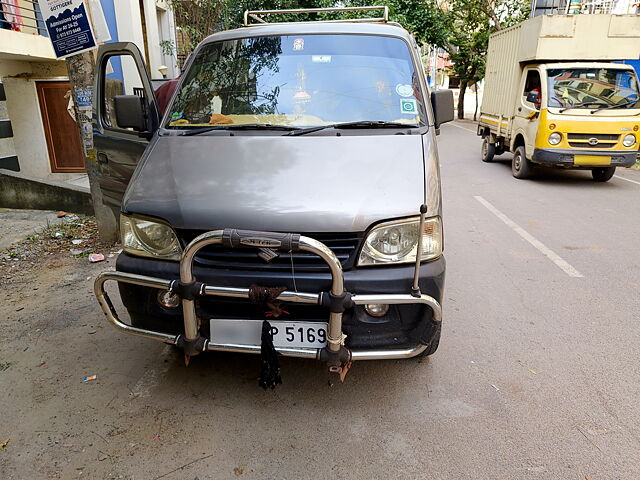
column 603, row 174
column 488, row 150
column 520, row 166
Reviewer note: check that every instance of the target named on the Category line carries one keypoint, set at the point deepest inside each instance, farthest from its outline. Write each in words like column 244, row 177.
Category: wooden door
column 61, row 131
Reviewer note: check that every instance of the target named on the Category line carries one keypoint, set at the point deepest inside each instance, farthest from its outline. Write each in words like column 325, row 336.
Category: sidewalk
column 18, row 224
column 82, row 180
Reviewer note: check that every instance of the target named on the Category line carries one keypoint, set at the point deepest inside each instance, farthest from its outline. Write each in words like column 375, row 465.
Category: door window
column 120, row 77
column 532, row 95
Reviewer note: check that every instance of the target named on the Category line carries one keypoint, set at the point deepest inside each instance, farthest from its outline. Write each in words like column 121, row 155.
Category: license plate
column 591, row 160
column 284, row 334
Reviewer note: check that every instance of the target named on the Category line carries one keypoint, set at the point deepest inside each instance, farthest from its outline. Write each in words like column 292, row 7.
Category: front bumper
column 404, row 334
column 566, row 157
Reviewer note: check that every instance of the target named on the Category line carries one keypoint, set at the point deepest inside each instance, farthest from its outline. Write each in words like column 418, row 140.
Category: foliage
column 230, row 70
column 168, row 48
column 471, row 23
column 197, row 19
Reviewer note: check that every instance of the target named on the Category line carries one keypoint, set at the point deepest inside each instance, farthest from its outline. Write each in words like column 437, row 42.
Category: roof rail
column 257, row 14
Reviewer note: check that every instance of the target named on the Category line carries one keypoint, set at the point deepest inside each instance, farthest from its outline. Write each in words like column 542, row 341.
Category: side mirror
column 130, row 112
column 442, row 105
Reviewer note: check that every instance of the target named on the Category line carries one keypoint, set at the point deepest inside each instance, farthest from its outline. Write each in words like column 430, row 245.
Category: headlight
column 148, row 238
column 555, row 138
column 397, row 242
column 629, row 140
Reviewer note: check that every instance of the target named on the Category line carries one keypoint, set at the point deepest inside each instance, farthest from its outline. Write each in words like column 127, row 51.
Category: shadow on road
column 554, row 176
column 234, row 378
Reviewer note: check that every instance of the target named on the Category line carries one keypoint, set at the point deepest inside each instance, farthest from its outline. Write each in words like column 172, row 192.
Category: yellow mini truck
column 554, row 97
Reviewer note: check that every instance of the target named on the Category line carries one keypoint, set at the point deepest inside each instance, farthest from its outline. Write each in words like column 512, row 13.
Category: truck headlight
column 555, row 138
column 396, row 242
column 629, row 140
column 149, row 238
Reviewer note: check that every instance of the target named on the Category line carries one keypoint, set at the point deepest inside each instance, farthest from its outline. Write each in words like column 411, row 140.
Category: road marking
column 626, row 179
column 453, row 124
column 542, row 248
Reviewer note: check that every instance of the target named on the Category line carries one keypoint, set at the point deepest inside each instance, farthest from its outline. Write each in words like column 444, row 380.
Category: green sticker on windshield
column 408, row 105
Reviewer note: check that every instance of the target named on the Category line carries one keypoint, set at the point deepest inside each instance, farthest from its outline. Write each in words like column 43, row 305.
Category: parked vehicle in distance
column 294, row 178
column 554, row 97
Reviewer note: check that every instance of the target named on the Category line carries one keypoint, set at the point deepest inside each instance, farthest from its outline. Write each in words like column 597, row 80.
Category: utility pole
column 81, row 69
column 75, row 33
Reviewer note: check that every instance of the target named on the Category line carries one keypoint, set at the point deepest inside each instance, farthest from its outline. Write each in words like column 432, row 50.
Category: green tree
column 470, row 24
column 197, row 19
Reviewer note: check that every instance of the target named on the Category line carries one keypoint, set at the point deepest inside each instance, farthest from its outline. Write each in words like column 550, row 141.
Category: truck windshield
column 299, row 81
column 592, row 87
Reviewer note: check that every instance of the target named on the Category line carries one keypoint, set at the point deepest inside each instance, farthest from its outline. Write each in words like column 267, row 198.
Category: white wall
column 129, row 23
column 28, row 131
column 24, row 45
column 159, row 27
column 153, row 38
column 167, row 31
column 23, row 109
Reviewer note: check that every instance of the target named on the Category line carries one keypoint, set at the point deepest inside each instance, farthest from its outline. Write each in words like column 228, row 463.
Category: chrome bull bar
column 337, row 300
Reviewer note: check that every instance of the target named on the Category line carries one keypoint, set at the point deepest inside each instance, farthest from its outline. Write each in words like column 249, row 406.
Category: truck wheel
column 603, row 174
column 488, row 150
column 520, row 166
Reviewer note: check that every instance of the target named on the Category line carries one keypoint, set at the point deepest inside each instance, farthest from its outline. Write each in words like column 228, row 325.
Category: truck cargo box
column 553, row 38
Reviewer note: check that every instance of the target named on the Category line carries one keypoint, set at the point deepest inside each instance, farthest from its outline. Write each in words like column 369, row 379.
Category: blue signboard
column 68, row 25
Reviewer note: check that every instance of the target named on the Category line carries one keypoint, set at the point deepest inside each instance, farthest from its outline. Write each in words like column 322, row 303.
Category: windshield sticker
column 298, row 44
column 408, row 105
column 177, row 115
column 321, row 58
column 404, row 90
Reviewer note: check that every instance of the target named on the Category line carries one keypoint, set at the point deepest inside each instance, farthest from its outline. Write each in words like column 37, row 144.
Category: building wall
column 26, row 58
column 8, row 158
column 22, row 108
column 29, row 138
column 159, row 26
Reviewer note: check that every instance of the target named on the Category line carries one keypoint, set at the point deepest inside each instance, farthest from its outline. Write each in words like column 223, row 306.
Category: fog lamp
column 377, row 309
column 168, row 299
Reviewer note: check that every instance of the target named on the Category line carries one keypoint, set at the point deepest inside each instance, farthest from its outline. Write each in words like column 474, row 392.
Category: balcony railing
column 22, row 16
column 576, row 7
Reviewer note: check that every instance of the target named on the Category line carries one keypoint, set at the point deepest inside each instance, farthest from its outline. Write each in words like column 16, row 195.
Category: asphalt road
column 536, row 377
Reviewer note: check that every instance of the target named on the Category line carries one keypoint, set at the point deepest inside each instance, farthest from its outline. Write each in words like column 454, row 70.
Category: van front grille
column 344, row 245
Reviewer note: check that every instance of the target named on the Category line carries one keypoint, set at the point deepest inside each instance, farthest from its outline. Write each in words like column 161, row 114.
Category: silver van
column 287, row 201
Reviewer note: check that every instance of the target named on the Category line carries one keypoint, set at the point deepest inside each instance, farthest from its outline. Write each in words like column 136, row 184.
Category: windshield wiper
column 358, row 124
column 245, row 126
column 577, row 105
column 617, row 105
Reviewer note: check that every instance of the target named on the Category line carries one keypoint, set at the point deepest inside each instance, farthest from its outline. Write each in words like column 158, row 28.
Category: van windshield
column 592, row 87
column 299, row 81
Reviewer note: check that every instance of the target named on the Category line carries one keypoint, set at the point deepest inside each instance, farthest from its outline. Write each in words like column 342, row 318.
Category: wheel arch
column 518, row 141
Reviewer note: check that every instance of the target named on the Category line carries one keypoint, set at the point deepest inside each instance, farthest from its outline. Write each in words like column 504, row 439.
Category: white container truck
column 554, row 97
